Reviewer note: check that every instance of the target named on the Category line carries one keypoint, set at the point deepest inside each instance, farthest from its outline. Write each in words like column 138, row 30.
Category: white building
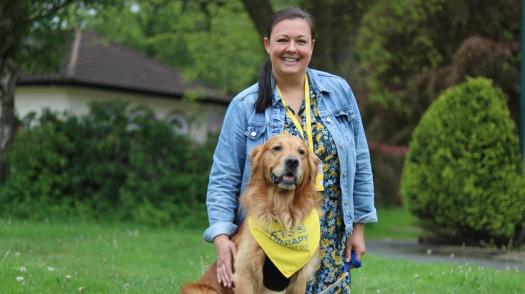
column 98, row 70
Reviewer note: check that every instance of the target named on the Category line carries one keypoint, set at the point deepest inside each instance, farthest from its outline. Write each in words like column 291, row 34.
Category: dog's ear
column 256, row 152
column 256, row 156
column 314, row 165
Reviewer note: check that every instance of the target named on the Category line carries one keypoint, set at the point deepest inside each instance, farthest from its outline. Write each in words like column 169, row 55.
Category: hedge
column 117, row 162
column 462, row 176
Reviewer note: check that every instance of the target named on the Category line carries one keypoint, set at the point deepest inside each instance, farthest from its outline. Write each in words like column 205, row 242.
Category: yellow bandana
column 289, row 249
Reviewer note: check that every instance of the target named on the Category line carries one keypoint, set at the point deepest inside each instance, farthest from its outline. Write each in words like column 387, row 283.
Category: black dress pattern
column 333, row 239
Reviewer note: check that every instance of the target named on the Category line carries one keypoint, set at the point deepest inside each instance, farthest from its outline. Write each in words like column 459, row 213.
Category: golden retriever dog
column 281, row 191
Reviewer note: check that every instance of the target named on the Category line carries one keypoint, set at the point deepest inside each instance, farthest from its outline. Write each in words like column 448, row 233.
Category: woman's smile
column 290, row 47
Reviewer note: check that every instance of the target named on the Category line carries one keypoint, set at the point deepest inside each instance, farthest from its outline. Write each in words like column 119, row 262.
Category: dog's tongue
column 288, row 178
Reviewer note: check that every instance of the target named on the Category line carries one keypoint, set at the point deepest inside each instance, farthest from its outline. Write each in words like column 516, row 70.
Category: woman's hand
column 356, row 242
column 225, row 251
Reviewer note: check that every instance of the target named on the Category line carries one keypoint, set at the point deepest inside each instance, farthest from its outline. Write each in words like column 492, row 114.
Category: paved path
column 411, row 250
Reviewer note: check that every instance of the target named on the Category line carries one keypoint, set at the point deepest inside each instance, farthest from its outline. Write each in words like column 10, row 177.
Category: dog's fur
column 271, row 197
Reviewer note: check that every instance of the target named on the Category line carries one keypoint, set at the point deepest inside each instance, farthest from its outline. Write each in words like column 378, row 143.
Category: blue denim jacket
column 243, row 129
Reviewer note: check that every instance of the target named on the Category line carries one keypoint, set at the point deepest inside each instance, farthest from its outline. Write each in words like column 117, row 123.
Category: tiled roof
column 96, row 62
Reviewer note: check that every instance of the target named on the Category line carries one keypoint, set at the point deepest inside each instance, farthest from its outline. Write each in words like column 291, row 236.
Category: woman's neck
column 292, row 90
column 289, row 83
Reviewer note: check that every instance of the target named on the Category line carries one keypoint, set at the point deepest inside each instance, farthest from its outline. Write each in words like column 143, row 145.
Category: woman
column 280, row 102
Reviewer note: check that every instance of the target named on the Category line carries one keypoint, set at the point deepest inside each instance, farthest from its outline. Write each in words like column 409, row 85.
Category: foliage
column 461, row 177
column 386, row 167
column 217, row 41
column 32, row 34
column 411, row 50
column 337, row 26
column 116, row 162
column 212, row 41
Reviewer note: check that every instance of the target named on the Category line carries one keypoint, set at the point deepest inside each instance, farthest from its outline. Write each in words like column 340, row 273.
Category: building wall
column 197, row 119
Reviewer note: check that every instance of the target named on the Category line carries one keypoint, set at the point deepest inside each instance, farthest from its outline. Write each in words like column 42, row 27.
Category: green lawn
column 101, row 258
column 394, row 223
column 387, row 275
column 127, row 258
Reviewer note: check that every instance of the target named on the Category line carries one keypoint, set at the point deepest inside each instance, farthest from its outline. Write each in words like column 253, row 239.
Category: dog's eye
column 301, row 151
column 277, row 148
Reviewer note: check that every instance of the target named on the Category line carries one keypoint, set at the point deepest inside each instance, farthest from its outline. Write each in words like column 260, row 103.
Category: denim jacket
column 243, row 129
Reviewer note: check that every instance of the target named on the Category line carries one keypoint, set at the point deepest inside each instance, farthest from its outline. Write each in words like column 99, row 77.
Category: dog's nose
column 291, row 162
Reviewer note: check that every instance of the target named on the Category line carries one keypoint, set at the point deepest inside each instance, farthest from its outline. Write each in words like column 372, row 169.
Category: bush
column 115, row 163
column 462, row 174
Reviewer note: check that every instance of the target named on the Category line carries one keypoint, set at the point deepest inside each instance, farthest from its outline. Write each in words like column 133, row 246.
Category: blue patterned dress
column 333, row 237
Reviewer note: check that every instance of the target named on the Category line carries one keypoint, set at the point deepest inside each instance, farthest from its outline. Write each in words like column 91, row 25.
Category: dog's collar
column 288, row 249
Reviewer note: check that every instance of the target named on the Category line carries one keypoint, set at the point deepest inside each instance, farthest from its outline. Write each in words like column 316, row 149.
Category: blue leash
column 353, row 263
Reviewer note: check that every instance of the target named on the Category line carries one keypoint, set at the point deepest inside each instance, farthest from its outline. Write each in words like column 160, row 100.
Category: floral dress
column 333, row 237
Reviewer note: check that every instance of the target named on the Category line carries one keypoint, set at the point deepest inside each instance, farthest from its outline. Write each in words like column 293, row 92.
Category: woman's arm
column 226, row 173
column 363, row 193
column 224, row 187
column 356, row 242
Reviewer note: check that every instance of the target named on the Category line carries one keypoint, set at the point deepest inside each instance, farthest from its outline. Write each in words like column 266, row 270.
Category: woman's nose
column 291, row 46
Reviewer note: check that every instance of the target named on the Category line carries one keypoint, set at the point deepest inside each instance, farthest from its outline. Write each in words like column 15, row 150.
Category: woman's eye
column 302, row 42
column 282, row 40
column 277, row 148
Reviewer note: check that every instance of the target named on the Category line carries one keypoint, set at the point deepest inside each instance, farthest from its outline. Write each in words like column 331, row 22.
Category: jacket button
column 328, row 120
column 253, row 134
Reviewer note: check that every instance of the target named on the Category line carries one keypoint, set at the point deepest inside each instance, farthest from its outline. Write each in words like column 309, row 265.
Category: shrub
column 116, row 163
column 462, row 174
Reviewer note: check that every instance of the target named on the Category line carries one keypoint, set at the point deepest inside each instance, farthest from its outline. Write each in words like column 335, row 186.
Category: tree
column 411, row 50
column 211, row 41
column 260, row 12
column 31, row 35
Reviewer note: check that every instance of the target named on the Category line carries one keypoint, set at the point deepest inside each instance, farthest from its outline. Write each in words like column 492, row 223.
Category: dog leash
column 353, row 263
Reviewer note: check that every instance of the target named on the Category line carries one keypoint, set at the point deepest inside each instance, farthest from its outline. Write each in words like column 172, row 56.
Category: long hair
column 264, row 100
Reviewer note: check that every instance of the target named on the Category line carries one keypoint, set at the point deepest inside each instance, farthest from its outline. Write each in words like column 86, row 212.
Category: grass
column 387, row 275
column 100, row 258
column 394, row 223
column 126, row 258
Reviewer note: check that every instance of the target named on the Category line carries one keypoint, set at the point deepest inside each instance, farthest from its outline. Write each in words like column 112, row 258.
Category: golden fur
column 270, row 202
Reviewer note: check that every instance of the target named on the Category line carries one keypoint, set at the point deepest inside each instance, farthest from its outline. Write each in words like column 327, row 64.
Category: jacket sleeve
column 364, row 209
column 226, row 173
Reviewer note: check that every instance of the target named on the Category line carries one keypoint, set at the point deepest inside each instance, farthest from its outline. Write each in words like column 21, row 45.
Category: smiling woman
column 290, row 49
column 320, row 109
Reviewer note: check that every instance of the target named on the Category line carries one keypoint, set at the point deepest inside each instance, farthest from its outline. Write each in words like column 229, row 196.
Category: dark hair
column 264, row 99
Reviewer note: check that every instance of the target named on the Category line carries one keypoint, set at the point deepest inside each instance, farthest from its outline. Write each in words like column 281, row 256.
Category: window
column 178, row 124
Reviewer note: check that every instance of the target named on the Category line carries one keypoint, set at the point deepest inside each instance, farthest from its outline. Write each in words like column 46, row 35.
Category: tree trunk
column 8, row 77
column 260, row 12
column 337, row 24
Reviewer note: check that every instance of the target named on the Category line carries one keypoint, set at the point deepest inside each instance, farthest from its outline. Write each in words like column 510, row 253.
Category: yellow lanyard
column 308, row 126
column 307, row 114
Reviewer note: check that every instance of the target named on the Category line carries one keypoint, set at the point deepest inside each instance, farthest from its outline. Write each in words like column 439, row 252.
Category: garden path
column 412, row 250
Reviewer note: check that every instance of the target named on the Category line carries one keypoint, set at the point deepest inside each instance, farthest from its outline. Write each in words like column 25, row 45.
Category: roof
column 96, row 62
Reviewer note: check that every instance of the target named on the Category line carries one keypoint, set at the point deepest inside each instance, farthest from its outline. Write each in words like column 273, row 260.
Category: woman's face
column 290, row 47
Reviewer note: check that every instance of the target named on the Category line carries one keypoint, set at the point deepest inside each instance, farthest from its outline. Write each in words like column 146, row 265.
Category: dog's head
column 285, row 161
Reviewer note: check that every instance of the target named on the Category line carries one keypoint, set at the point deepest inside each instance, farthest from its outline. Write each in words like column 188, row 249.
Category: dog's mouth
column 286, row 181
